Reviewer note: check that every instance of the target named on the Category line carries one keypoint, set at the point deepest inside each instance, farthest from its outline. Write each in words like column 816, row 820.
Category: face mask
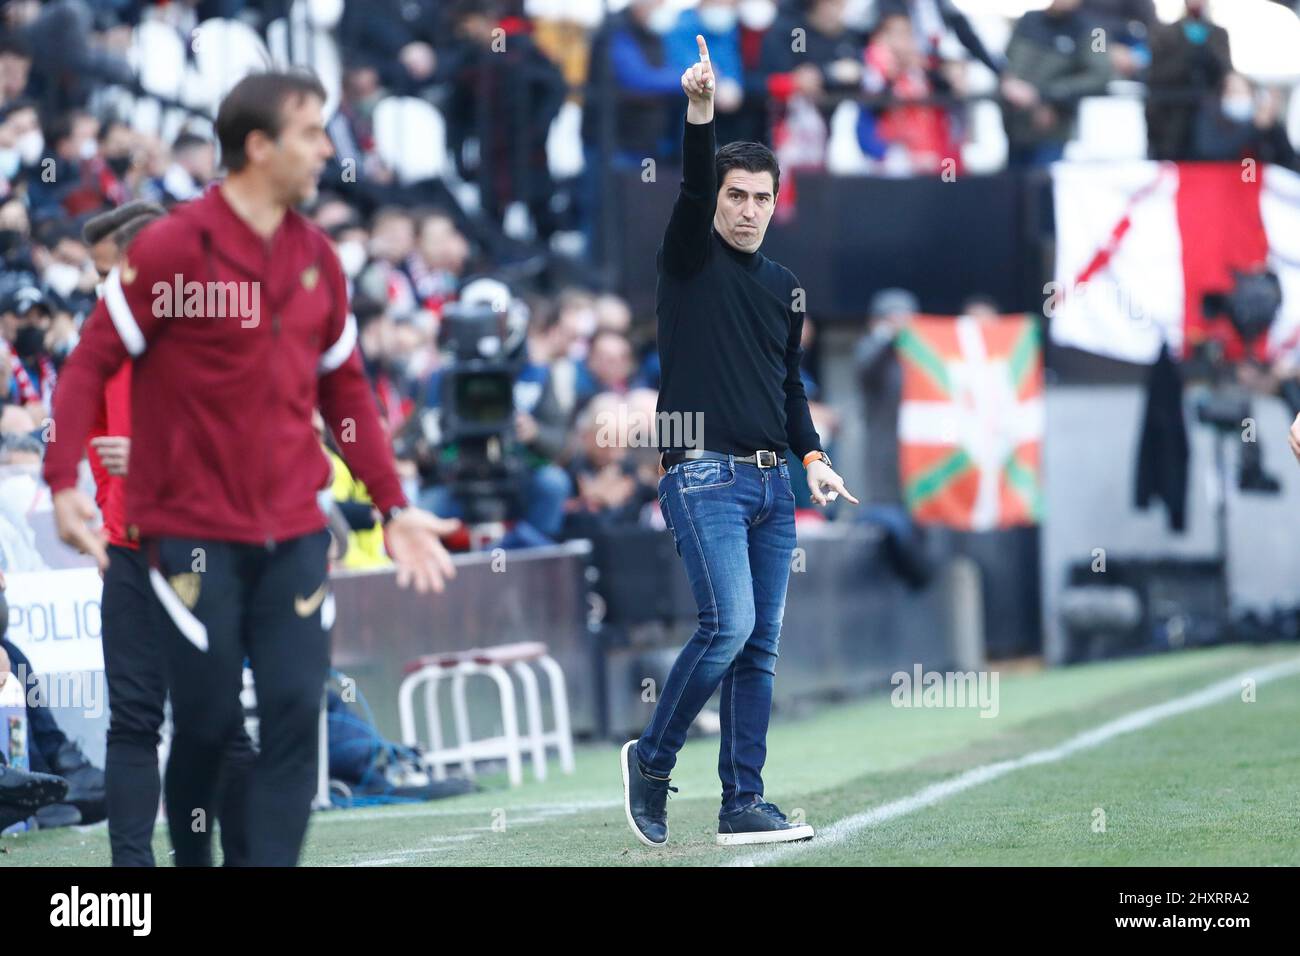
column 88, row 148
column 31, row 147
column 61, row 277
column 10, row 163
column 119, row 165
column 29, row 343
column 1239, row 109
column 661, row 20
column 10, row 239
column 717, row 19
column 756, row 14
column 352, row 256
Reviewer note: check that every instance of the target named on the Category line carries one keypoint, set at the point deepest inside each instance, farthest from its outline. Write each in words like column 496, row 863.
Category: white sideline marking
column 515, row 816
column 554, row 809
column 841, row 830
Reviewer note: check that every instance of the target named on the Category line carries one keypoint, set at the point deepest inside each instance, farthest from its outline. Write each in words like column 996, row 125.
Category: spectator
column 1051, row 51
column 68, row 276
column 70, row 140
column 332, row 212
column 21, row 143
column 1242, row 123
column 26, row 317
column 931, row 21
column 629, row 56
column 386, row 360
column 609, row 366
column 360, row 171
column 613, row 313
column 823, row 56
column 980, row 307
column 193, row 166
column 610, row 488
column 915, row 138
column 578, row 313
column 881, row 376
column 437, row 264
column 1127, row 25
column 1189, row 60
column 15, row 68
column 504, row 95
column 50, row 751
column 755, row 18
column 824, row 417
column 717, row 21
column 22, row 495
column 68, row 62
column 350, row 241
column 15, row 248
column 392, row 241
column 545, row 391
column 396, row 38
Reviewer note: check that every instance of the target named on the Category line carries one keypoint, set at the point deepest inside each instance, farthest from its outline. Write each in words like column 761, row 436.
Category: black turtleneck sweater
column 728, row 330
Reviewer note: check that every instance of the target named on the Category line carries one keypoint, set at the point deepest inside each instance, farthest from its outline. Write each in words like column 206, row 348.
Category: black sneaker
column 57, row 815
column 645, row 799
column 760, row 823
column 24, row 790
column 85, row 782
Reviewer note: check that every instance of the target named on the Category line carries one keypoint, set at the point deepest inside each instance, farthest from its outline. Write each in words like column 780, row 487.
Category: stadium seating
column 411, row 138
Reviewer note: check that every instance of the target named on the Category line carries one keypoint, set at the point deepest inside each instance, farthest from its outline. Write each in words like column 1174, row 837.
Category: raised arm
column 686, row 240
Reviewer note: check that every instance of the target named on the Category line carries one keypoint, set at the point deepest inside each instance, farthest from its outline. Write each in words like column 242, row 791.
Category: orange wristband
column 812, row 456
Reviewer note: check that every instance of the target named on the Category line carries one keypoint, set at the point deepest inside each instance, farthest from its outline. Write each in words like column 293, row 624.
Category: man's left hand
column 822, row 479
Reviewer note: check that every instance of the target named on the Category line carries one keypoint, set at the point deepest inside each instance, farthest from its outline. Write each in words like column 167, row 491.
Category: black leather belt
column 763, row 458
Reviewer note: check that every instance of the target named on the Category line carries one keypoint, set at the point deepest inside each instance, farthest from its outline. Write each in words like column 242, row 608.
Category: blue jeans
column 733, row 525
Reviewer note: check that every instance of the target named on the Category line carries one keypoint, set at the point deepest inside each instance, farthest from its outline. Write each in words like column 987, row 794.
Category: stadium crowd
column 410, row 247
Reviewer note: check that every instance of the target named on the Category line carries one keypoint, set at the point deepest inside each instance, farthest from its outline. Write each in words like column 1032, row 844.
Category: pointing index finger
column 704, row 48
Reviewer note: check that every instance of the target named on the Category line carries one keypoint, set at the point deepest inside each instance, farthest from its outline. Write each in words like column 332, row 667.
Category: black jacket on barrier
column 1162, row 449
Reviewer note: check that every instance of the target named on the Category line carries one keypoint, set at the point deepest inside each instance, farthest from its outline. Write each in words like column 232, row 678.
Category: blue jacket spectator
column 630, row 50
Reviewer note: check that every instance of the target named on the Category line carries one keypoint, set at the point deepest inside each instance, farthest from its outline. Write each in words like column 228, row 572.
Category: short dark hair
column 13, row 44
column 256, row 104
column 751, row 157
column 474, row 8
column 189, row 140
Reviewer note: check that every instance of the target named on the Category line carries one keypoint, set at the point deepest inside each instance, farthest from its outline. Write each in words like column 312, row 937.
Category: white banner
column 54, row 618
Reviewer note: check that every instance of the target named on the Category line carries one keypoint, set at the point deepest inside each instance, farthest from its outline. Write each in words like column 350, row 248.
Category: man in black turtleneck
column 731, row 403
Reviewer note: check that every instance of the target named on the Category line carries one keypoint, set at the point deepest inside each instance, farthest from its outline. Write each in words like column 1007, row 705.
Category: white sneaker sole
column 791, row 835
column 627, row 799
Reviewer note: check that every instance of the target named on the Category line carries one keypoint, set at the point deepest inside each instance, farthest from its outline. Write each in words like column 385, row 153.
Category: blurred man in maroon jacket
column 234, row 311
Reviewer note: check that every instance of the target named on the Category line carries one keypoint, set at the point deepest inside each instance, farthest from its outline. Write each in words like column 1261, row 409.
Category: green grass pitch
column 1212, row 786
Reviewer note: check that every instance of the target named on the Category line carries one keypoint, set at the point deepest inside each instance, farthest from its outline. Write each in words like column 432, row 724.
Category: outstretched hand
column 412, row 537
column 825, row 485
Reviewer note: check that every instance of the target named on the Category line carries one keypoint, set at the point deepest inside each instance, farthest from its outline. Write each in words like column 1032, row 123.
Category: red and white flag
column 1139, row 245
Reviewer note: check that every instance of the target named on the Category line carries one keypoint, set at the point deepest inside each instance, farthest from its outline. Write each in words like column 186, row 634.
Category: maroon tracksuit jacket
column 234, row 341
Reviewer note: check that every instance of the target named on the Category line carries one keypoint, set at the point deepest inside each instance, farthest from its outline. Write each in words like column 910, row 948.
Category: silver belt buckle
column 765, row 462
